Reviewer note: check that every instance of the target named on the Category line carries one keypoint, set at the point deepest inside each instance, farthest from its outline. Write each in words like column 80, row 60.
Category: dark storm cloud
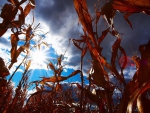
column 2, row 2
column 62, row 20
column 74, row 61
column 59, row 14
column 140, row 33
column 55, row 13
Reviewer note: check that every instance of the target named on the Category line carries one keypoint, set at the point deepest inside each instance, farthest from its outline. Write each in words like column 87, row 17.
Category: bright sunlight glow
column 39, row 57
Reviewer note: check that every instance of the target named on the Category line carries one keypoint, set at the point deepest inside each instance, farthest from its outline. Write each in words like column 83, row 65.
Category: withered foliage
column 100, row 95
column 133, row 91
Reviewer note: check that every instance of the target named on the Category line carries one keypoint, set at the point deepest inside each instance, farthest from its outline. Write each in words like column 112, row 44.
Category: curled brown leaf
column 28, row 8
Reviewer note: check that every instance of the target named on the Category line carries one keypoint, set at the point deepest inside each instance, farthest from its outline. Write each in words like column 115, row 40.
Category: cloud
column 4, row 49
column 2, row 2
column 139, row 35
column 4, row 53
column 5, row 43
column 61, row 20
column 130, row 72
column 20, row 70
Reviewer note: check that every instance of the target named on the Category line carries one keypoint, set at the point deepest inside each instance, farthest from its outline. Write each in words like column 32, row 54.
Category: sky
column 59, row 19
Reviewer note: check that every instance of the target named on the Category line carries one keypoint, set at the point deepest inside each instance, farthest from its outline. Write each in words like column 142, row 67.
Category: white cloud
column 4, row 54
column 65, row 70
column 20, row 70
column 59, row 42
column 29, row 92
column 130, row 72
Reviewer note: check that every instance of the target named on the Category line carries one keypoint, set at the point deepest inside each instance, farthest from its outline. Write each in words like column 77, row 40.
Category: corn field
column 101, row 94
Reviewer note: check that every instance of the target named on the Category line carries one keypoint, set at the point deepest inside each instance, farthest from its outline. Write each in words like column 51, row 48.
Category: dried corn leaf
column 135, row 95
column 28, row 33
column 32, row 2
column 21, row 49
column 2, row 62
column 144, row 68
column 101, row 59
column 133, row 84
column 96, row 55
column 28, row 65
column 14, row 2
column 52, row 66
column 12, row 14
column 84, row 18
column 143, row 103
column 124, row 60
column 2, row 31
column 114, row 51
column 109, row 12
column 45, row 44
column 98, row 75
column 39, row 46
column 104, row 33
column 115, row 47
column 59, row 70
column 28, row 8
column 59, row 78
column 83, row 52
column 131, row 6
column 27, row 46
column 54, row 79
column 6, row 11
column 81, row 8
column 59, row 60
column 74, row 42
column 16, row 53
column 14, row 43
column 20, row 22
column 83, row 4
column 79, row 40
column 4, row 71
column 122, row 6
column 124, row 102
column 126, row 18
column 98, row 14
column 138, row 3
column 136, row 60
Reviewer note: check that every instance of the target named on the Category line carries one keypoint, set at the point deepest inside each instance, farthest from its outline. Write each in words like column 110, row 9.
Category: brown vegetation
column 50, row 95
